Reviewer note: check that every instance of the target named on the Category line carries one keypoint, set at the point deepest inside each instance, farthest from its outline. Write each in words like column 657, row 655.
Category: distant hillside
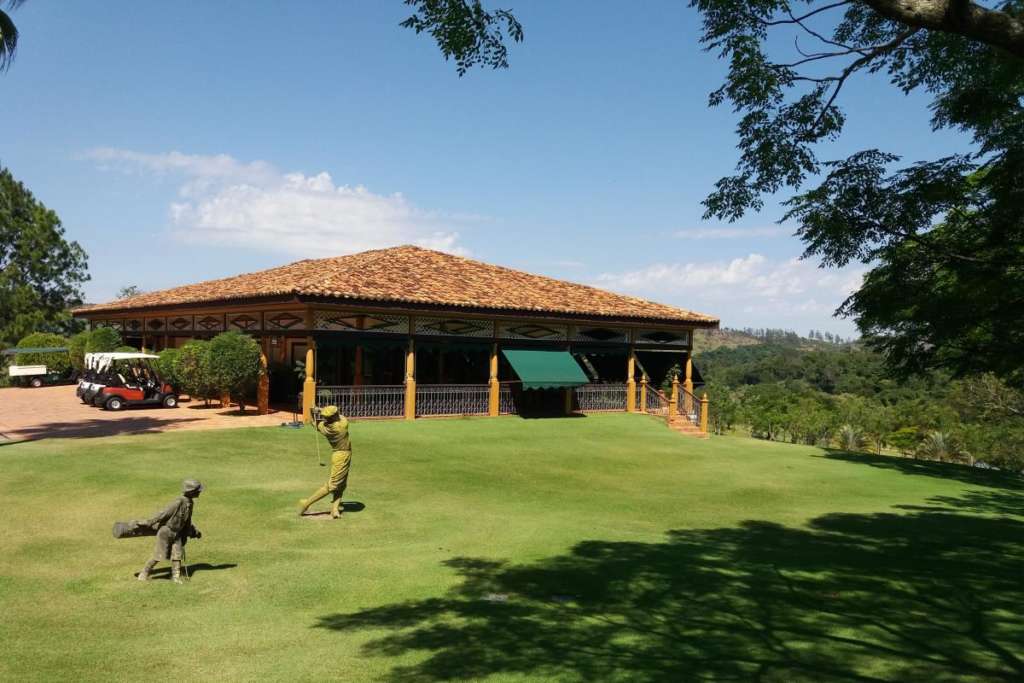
column 728, row 338
column 709, row 340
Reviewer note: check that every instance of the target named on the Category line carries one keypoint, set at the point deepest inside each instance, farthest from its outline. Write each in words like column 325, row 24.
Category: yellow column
column 493, row 387
column 410, row 382
column 263, row 388
column 643, row 394
column 631, row 382
column 568, row 393
column 704, row 413
column 688, row 386
column 309, row 386
column 673, row 402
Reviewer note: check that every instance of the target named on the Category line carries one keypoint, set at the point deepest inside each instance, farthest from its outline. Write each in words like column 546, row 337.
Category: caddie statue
column 172, row 527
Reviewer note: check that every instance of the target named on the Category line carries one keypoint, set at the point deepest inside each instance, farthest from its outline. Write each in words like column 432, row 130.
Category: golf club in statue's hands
column 315, row 414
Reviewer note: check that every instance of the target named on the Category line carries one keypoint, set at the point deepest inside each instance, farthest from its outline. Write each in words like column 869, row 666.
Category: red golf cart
column 131, row 380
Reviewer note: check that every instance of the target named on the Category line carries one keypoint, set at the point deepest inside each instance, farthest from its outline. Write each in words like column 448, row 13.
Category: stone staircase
column 684, row 426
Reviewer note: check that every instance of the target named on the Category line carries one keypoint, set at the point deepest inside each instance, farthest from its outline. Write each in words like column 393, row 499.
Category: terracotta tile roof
column 412, row 275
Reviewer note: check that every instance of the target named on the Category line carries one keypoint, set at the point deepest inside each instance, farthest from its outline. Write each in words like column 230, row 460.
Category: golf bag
column 133, row 529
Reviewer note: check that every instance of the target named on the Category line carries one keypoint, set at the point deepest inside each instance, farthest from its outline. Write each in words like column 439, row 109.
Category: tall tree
column 128, row 291
column 40, row 272
column 8, row 34
column 944, row 237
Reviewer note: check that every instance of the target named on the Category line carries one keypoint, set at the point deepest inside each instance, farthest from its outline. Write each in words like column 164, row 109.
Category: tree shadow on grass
column 986, row 502
column 929, row 468
column 79, row 429
column 884, row 597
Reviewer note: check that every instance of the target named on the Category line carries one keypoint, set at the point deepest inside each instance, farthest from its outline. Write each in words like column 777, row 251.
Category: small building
column 409, row 332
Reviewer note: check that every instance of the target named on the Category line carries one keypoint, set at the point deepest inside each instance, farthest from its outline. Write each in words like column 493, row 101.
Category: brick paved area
column 56, row 412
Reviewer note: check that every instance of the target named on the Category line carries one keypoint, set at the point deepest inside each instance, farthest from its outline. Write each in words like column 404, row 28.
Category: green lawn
column 597, row 548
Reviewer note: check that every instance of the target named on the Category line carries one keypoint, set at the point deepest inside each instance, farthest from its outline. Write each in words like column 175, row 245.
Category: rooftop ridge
column 411, row 273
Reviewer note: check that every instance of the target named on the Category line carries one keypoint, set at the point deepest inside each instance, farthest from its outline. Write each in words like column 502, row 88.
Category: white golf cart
column 35, row 375
column 116, row 380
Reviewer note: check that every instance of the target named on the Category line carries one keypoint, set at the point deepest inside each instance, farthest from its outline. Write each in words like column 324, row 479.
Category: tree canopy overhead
column 8, row 34
column 944, row 237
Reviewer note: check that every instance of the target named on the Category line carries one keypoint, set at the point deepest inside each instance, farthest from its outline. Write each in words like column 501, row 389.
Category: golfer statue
column 173, row 529
column 334, row 426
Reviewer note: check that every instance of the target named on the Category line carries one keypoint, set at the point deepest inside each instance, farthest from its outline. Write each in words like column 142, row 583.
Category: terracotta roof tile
column 412, row 275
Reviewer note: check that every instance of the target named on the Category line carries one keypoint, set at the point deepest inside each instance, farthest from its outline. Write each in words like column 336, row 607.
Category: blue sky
column 185, row 142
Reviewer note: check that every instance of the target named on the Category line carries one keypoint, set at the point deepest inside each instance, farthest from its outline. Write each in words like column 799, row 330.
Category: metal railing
column 688, row 406
column 452, row 399
column 595, row 398
column 657, row 403
column 506, row 399
column 364, row 401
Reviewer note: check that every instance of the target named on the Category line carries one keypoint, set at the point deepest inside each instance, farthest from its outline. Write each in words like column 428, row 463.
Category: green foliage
column 40, row 272
column 850, row 438
column 192, row 369
column 941, row 446
column 77, row 344
column 8, row 36
column 128, row 292
column 905, row 439
column 465, row 31
column 103, row 340
column 938, row 296
column 803, row 394
column 55, row 362
column 234, row 365
column 166, row 367
column 724, row 410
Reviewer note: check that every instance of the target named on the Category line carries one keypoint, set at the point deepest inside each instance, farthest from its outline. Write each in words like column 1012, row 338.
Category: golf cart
column 127, row 379
column 35, row 376
column 99, row 372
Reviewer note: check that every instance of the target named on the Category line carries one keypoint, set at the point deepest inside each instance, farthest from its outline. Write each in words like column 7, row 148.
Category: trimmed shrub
column 103, row 339
column 235, row 365
column 166, row 366
column 54, row 362
column 192, row 369
column 76, row 350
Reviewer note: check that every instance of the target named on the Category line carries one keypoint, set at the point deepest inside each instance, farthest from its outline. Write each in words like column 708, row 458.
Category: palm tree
column 850, row 438
column 8, row 34
column 942, row 446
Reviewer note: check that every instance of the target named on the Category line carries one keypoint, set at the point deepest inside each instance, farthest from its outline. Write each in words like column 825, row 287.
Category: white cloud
column 227, row 202
column 732, row 233
column 751, row 289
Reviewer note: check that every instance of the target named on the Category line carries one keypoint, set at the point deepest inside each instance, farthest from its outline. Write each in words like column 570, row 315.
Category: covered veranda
column 408, row 332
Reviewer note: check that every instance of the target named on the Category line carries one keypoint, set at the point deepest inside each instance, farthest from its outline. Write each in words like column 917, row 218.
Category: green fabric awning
column 34, row 349
column 542, row 369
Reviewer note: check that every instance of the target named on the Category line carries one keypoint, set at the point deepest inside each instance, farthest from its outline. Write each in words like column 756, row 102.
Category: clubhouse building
column 409, row 332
